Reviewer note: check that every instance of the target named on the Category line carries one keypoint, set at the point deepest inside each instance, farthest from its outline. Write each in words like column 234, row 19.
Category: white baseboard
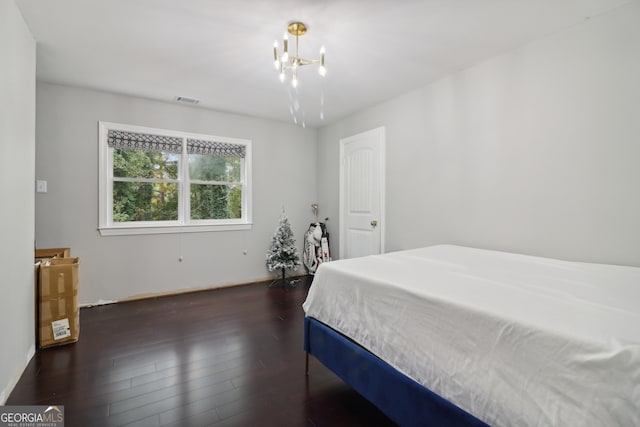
column 12, row 383
column 182, row 291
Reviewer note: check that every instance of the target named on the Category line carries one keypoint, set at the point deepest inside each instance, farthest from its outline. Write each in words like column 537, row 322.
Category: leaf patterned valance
column 221, row 149
column 143, row 141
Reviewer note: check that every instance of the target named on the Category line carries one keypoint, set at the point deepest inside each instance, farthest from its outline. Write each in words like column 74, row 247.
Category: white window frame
column 106, row 225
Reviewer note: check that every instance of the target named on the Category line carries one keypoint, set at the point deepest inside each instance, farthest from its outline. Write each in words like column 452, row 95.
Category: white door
column 362, row 194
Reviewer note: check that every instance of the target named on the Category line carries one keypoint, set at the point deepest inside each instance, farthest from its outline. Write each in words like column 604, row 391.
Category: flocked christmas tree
column 283, row 254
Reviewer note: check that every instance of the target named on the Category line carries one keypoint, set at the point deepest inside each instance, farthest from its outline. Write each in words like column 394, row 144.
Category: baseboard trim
column 150, row 295
column 6, row 392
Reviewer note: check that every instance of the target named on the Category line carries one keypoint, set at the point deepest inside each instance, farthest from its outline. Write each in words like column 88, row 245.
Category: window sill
column 170, row 229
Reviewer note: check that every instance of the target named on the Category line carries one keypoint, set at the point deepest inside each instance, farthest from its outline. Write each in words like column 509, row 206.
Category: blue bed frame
column 402, row 399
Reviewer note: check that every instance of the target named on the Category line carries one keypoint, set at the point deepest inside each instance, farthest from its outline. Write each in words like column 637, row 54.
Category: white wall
column 118, row 267
column 17, row 151
column 535, row 151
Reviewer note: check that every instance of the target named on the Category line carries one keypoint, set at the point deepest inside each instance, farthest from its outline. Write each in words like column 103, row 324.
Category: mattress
column 511, row 339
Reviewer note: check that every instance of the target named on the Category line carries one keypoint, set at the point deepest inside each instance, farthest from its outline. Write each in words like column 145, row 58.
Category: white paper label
column 61, row 329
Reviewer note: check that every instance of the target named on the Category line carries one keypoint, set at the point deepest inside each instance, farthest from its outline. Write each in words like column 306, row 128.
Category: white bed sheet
column 512, row 339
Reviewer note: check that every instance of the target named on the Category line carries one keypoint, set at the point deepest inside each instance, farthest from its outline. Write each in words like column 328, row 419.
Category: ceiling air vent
column 187, row 100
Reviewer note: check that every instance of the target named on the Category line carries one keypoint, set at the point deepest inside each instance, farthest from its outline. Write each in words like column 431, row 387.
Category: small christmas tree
column 283, row 254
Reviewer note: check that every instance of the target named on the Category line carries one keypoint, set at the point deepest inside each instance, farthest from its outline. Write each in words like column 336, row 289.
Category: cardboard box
column 59, row 315
column 52, row 253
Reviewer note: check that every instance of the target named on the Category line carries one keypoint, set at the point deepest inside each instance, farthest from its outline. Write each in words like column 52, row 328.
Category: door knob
column 374, row 223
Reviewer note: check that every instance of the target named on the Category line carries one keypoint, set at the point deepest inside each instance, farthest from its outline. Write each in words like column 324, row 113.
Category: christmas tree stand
column 282, row 282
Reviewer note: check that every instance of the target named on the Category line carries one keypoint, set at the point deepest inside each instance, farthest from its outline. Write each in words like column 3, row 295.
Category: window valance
column 143, row 141
column 222, row 149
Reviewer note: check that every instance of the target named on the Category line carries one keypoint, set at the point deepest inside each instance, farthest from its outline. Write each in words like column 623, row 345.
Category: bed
column 451, row 335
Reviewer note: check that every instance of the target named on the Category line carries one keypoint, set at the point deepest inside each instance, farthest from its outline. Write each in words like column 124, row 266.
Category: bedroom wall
column 534, row 151
column 17, row 151
column 117, row 267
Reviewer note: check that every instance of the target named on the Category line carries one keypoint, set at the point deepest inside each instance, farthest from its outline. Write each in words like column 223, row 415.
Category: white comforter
column 515, row 340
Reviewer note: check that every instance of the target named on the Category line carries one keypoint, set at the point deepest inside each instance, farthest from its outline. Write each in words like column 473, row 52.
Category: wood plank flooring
column 226, row 357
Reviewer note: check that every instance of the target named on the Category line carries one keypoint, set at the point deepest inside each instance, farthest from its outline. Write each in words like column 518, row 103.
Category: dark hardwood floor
column 226, row 357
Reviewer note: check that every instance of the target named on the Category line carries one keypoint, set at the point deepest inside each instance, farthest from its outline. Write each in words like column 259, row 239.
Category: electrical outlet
column 41, row 186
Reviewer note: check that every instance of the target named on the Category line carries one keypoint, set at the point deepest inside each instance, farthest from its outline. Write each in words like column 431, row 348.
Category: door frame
column 380, row 133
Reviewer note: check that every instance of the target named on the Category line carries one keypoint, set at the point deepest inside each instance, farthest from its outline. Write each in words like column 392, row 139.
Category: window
column 160, row 181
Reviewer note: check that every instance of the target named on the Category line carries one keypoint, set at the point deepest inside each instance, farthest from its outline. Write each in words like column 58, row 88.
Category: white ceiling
column 221, row 51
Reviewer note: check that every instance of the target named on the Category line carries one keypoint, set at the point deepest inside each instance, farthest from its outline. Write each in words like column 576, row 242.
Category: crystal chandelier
column 289, row 62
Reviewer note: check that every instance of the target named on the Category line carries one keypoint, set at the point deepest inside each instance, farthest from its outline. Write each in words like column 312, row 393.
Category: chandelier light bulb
column 276, row 60
column 322, row 70
column 282, row 76
column 285, row 54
